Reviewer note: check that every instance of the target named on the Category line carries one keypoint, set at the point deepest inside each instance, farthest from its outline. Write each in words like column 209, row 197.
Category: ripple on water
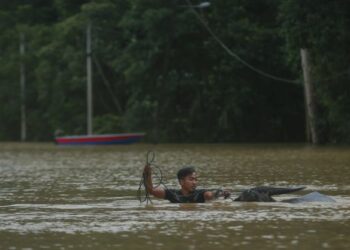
column 131, row 216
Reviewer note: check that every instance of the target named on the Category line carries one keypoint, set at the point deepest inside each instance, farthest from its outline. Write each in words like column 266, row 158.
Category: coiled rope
column 142, row 192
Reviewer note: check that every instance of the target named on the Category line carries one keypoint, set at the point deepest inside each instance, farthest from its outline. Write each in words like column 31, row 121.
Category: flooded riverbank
column 85, row 197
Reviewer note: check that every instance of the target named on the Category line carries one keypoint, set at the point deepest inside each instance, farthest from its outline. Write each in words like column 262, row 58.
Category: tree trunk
column 310, row 98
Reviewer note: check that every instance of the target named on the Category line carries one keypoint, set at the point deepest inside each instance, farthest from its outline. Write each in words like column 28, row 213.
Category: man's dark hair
column 185, row 171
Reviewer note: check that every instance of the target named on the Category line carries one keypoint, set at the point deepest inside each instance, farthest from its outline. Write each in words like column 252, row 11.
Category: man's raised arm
column 158, row 192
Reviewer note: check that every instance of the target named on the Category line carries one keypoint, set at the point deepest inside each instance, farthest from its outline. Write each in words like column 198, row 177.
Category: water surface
column 85, row 198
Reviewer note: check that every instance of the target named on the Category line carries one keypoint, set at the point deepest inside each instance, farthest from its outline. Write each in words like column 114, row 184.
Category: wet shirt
column 175, row 196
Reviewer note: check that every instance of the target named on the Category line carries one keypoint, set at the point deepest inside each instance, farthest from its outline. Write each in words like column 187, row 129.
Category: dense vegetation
column 158, row 69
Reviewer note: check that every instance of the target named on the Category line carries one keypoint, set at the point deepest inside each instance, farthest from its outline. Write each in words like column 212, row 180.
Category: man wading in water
column 188, row 193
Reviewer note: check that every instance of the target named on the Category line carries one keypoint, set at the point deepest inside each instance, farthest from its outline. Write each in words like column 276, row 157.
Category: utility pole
column 22, row 87
column 89, row 80
column 310, row 103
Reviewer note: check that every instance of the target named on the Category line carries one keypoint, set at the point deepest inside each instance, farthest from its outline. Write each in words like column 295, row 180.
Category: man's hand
column 147, row 171
column 210, row 195
column 226, row 194
column 158, row 192
column 222, row 193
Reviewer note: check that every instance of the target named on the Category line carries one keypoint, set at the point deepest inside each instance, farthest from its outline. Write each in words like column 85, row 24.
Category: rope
column 142, row 193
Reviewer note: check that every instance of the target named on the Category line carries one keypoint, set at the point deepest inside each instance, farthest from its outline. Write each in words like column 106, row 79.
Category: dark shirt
column 175, row 196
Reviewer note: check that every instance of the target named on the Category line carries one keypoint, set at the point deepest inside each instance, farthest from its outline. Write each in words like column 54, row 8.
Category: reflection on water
column 80, row 198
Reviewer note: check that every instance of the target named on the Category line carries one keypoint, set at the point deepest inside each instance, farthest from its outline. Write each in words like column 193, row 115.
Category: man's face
column 189, row 183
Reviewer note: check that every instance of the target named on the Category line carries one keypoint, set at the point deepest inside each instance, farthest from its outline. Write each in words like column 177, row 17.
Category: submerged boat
column 107, row 139
column 264, row 194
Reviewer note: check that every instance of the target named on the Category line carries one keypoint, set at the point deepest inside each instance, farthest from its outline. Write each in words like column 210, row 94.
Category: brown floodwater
column 55, row 197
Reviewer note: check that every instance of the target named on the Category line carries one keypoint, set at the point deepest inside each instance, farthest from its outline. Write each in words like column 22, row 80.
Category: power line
column 231, row 53
column 238, row 58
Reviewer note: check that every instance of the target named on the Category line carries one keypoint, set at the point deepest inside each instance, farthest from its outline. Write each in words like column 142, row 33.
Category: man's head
column 187, row 178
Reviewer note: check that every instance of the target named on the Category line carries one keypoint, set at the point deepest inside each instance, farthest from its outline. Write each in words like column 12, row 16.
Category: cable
column 230, row 52
column 107, row 84
column 142, row 186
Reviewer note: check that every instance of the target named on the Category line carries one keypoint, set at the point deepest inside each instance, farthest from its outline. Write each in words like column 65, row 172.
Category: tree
column 157, row 69
column 319, row 27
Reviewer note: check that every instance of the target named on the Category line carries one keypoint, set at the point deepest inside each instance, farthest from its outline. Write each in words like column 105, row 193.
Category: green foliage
column 157, row 69
column 107, row 124
column 321, row 27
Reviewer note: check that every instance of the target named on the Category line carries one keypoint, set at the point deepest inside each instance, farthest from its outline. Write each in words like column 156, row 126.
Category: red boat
column 99, row 139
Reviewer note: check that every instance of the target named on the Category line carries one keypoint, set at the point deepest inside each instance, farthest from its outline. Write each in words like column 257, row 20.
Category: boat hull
column 99, row 139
